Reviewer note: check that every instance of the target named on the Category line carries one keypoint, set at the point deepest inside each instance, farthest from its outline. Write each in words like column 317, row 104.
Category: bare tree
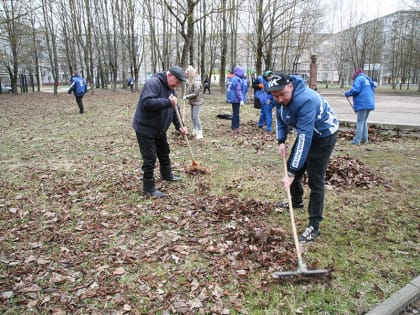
column 88, row 47
column 51, row 39
column 224, row 45
column 184, row 15
column 282, row 30
column 134, row 35
column 210, row 40
column 14, row 14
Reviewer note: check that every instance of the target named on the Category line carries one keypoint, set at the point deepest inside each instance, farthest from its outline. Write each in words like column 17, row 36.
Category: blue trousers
column 266, row 116
column 362, row 127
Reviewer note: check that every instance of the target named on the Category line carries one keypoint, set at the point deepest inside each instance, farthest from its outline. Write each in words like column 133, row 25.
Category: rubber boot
column 166, row 174
column 199, row 134
column 149, row 188
column 194, row 132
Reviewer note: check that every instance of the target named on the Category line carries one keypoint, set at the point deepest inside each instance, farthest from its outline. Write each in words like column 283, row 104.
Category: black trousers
column 151, row 149
column 316, row 167
column 80, row 103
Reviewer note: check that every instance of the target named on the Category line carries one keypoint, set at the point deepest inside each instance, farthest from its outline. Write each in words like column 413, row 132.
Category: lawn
column 78, row 237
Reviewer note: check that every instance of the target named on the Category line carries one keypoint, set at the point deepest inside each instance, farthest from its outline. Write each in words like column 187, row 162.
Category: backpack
column 80, row 87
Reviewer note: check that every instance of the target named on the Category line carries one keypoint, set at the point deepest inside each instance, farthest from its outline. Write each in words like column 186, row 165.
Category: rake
column 302, row 270
column 195, row 167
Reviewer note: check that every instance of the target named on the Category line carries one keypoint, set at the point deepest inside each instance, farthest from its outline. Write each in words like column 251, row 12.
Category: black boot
column 166, row 173
column 149, row 188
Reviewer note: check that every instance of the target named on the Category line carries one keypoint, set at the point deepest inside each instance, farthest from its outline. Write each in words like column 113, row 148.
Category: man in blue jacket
column 305, row 110
column 363, row 102
column 154, row 114
column 79, row 88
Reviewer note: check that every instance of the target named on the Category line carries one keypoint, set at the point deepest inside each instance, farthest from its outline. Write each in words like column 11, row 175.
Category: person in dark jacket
column 363, row 92
column 206, row 84
column 79, row 88
column 154, row 114
column 302, row 108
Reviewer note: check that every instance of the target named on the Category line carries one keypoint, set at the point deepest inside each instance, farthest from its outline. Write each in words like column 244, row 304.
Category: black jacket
column 154, row 112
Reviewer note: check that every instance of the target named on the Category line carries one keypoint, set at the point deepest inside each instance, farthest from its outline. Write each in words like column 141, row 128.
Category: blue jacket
column 234, row 86
column 77, row 86
column 363, row 93
column 261, row 94
column 312, row 117
column 154, row 112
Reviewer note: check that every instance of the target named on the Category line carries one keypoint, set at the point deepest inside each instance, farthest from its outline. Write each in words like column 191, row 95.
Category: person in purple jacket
column 154, row 114
column 302, row 108
column 234, row 95
column 363, row 92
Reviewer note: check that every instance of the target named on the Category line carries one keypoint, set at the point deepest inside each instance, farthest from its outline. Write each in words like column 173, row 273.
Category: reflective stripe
column 299, row 151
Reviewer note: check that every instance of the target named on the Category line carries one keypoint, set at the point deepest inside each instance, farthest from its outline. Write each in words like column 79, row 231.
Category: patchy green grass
column 78, row 237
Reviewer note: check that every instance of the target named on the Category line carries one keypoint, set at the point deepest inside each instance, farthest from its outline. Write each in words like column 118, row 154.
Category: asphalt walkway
column 392, row 111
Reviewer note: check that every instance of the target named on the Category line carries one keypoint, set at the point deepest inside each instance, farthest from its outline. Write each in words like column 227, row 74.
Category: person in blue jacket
column 245, row 88
column 154, row 114
column 79, row 88
column 363, row 92
column 265, row 99
column 234, row 95
column 305, row 110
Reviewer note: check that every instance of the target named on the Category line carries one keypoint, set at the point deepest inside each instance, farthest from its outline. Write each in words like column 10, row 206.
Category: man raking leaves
column 302, row 108
column 154, row 114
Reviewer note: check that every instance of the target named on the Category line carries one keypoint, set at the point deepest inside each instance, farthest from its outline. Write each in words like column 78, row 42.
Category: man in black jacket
column 154, row 113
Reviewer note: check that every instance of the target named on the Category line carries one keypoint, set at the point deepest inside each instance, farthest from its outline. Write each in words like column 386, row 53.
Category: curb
column 399, row 301
column 384, row 126
column 398, row 129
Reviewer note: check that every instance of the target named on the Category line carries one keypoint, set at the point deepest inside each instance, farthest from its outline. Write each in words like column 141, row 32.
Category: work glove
column 261, row 85
column 242, row 103
column 184, row 97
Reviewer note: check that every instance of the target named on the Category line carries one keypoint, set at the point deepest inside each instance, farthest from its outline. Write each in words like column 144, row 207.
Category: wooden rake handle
column 185, row 135
column 292, row 220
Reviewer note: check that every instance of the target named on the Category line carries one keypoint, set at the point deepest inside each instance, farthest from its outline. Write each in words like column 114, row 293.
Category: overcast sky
column 363, row 10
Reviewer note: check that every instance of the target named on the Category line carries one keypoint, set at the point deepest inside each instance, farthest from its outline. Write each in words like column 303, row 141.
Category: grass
column 71, row 205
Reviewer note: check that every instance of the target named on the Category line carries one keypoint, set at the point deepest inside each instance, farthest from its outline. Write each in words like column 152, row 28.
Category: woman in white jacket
column 195, row 99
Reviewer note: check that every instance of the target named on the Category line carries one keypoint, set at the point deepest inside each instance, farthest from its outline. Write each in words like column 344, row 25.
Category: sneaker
column 285, row 204
column 310, row 234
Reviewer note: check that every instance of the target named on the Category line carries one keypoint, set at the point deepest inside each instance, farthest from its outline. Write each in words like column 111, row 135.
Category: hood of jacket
column 239, row 71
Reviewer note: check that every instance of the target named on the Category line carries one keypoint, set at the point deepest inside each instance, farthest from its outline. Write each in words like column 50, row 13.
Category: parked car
column 6, row 89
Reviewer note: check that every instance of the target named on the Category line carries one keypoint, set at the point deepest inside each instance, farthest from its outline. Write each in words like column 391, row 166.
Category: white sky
column 362, row 10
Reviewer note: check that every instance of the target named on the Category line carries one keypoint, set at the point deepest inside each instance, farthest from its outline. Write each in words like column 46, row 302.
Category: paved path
column 391, row 112
column 390, row 109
